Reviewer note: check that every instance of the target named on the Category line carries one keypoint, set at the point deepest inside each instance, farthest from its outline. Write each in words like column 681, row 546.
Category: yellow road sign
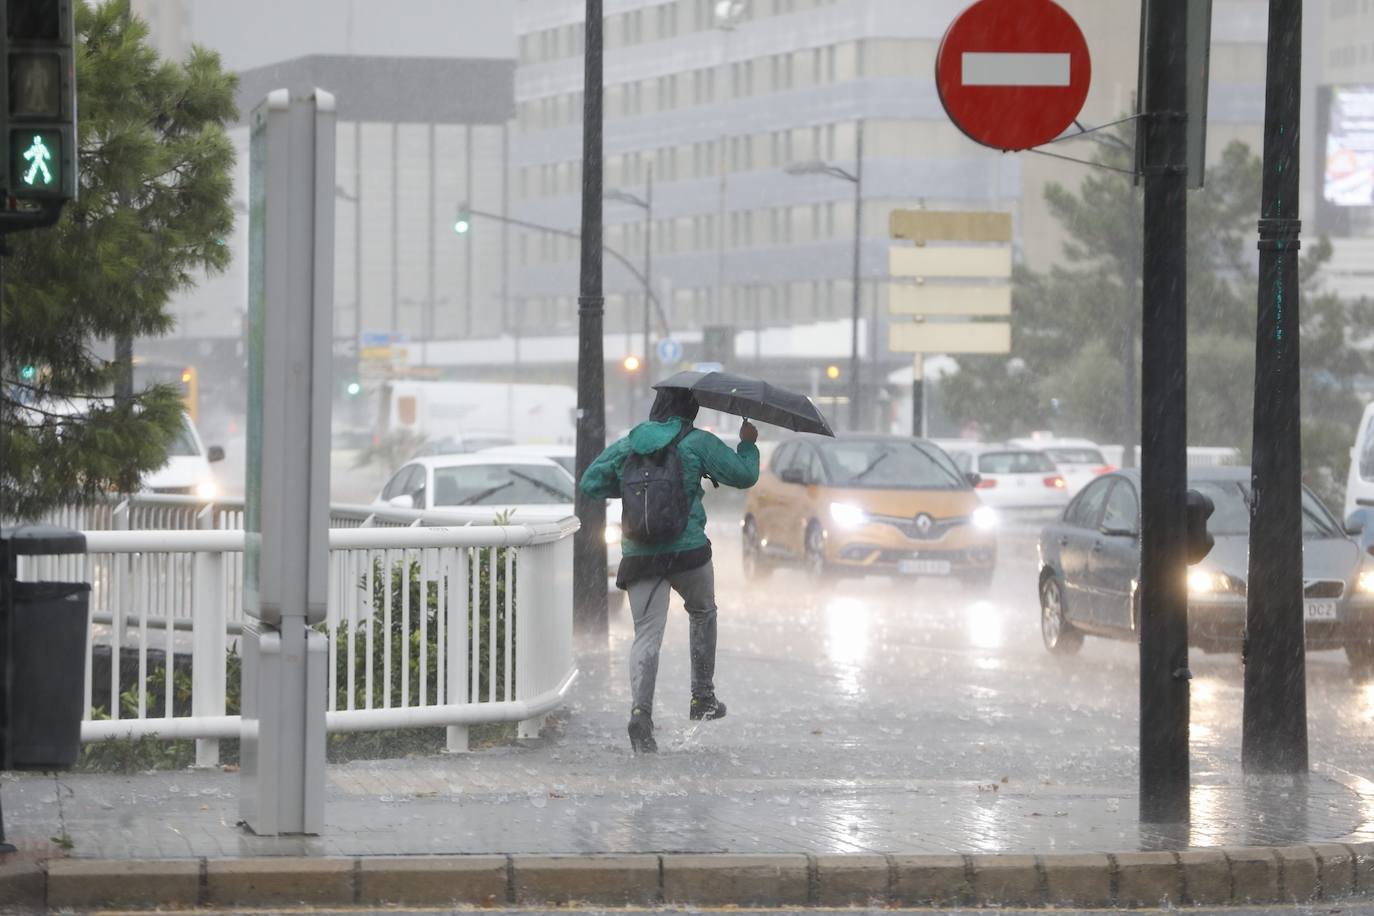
column 947, row 299
column 951, row 337
column 921, row 226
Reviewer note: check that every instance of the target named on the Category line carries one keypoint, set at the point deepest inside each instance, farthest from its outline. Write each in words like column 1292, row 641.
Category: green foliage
column 1071, row 326
column 156, row 182
column 415, row 635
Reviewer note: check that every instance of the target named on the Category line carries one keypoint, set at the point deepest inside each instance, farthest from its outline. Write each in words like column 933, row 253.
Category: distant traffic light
column 28, row 373
column 832, row 372
column 39, row 125
column 463, row 221
column 190, row 392
column 353, row 388
column 631, row 364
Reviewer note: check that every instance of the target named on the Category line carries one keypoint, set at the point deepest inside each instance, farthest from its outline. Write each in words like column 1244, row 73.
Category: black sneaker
column 642, row 732
column 707, row 707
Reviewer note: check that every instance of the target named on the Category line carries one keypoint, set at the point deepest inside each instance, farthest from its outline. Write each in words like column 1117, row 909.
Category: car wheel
column 1059, row 635
column 1361, row 658
column 814, row 553
column 755, row 566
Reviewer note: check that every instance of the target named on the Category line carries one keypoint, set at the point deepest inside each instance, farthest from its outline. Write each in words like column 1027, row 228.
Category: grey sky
column 251, row 33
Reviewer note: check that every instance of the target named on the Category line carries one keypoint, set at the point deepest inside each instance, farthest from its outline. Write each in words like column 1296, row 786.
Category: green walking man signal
column 39, row 154
column 38, row 103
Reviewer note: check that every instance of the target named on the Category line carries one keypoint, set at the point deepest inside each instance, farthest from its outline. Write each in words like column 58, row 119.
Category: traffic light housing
column 1200, row 541
column 38, row 87
column 462, row 221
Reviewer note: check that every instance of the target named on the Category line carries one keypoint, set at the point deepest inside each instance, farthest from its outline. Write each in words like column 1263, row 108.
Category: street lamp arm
column 567, row 233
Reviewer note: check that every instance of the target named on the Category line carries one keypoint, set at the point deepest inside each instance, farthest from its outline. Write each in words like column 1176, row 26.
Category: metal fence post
column 456, row 690
column 121, row 569
column 208, row 625
column 531, row 581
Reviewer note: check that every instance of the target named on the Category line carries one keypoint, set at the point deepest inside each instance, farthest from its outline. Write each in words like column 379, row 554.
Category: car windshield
column 1014, row 463
column 1075, row 456
column 183, row 444
column 1232, row 516
column 501, row 485
column 891, row 465
column 567, row 463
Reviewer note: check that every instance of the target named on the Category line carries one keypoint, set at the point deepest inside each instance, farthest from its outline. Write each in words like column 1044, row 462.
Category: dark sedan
column 1090, row 562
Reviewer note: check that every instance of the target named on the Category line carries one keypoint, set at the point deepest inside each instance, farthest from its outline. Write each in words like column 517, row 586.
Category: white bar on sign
column 1015, row 68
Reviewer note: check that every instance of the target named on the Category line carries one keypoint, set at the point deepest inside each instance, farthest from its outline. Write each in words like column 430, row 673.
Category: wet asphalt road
column 865, row 716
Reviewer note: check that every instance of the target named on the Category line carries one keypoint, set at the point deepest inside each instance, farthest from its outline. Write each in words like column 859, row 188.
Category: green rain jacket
column 702, row 455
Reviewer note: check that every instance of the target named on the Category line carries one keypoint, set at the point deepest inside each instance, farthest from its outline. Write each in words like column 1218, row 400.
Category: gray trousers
column 649, row 607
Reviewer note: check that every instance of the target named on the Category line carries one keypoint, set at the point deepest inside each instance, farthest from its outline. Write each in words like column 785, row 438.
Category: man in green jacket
column 647, row 572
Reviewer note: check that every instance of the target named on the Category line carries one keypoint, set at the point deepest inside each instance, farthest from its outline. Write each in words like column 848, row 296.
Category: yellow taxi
column 858, row 505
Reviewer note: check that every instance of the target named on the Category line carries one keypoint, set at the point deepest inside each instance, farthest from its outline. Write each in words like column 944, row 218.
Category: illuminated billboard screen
column 1348, row 178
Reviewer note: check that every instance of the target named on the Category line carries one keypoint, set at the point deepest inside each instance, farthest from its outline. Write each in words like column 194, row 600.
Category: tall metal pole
column 589, row 544
column 1164, row 693
column 648, row 281
column 854, row 387
column 1274, row 722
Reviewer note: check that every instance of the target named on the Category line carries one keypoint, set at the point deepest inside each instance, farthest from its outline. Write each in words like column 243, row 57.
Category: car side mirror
column 214, row 453
column 793, row 475
column 404, row 501
column 1357, row 523
column 973, row 478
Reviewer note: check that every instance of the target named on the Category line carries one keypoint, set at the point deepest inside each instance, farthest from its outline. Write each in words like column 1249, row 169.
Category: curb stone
column 1283, row 875
column 138, row 882
column 608, row 880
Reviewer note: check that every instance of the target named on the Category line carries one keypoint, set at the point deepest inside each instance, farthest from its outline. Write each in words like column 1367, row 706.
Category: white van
column 187, row 471
column 1359, row 487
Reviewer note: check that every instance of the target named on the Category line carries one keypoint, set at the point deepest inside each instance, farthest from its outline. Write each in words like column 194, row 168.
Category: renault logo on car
column 924, row 523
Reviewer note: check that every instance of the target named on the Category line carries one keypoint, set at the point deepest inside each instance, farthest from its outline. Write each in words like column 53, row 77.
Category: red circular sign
column 1013, row 74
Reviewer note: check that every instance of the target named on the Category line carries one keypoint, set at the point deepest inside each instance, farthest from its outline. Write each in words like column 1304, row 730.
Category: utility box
column 42, row 653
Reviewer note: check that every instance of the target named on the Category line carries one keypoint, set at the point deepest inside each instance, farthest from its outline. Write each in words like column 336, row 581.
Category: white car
column 1080, row 460
column 523, row 490
column 1359, row 487
column 187, row 471
column 566, row 457
column 1014, row 478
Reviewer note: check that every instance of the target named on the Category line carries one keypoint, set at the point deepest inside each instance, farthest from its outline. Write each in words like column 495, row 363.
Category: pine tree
column 153, row 208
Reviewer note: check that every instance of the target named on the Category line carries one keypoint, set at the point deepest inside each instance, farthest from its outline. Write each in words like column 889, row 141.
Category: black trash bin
column 42, row 654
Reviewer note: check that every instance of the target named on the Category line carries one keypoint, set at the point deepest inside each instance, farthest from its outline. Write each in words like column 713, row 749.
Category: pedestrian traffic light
column 39, row 92
column 1199, row 508
column 463, row 221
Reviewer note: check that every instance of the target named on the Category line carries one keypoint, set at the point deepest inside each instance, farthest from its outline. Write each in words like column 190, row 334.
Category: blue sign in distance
column 669, row 351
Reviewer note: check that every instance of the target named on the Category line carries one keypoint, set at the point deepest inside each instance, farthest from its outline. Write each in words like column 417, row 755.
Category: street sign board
column 669, row 351
column 1013, row 74
column 921, row 226
column 932, row 299
column 954, row 261
column 951, row 337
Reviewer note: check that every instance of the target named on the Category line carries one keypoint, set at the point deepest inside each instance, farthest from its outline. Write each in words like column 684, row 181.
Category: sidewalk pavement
column 869, row 756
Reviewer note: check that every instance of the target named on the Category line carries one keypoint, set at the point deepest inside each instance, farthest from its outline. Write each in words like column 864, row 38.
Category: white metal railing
column 429, row 626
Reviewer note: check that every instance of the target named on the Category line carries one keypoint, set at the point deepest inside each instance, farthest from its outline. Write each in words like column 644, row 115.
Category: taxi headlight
column 984, row 518
column 206, row 489
column 1365, row 583
column 847, row 515
column 1202, row 582
column 612, row 534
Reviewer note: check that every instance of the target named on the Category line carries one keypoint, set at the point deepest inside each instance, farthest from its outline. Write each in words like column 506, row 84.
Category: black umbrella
column 752, row 399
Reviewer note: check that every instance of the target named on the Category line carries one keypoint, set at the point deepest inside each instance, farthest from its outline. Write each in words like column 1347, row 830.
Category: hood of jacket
column 652, row 435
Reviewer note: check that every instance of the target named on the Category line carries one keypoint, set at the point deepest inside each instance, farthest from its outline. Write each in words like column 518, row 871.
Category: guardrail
column 429, row 626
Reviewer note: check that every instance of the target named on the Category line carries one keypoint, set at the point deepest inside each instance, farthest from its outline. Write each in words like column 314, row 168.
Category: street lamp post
column 645, row 203
column 589, row 543
column 820, row 167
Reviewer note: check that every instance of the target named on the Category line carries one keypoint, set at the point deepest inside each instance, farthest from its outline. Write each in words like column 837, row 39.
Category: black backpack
column 653, row 496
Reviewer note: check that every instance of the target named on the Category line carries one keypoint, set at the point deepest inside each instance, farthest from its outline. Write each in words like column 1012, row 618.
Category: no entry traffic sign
column 1013, row 74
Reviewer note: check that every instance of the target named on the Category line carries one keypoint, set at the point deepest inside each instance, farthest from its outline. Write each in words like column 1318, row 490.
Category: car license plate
column 1319, row 610
column 923, row 567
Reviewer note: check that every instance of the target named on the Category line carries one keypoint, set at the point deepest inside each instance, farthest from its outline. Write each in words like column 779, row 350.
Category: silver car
column 1090, row 568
